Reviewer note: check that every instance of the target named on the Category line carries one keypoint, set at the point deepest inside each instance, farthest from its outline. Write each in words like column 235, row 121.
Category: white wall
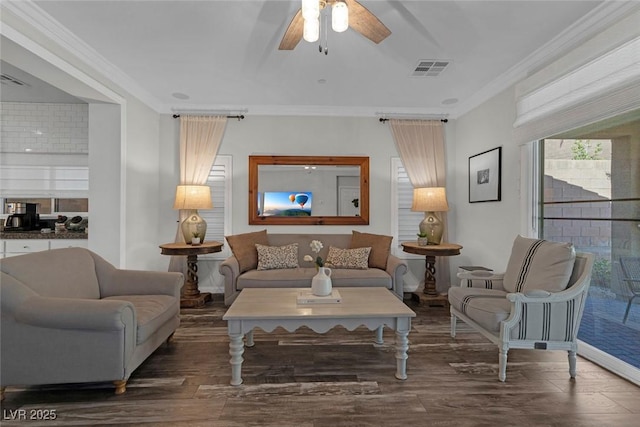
column 142, row 188
column 292, row 136
column 487, row 230
column 104, row 181
column 284, row 136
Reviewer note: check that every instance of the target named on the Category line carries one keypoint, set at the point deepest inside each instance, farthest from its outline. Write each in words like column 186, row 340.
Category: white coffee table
column 268, row 309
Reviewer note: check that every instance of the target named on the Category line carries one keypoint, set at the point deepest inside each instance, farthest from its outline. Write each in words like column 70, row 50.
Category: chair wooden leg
column 572, row 363
column 502, row 364
column 454, row 320
column 170, row 337
column 121, row 386
column 2, row 389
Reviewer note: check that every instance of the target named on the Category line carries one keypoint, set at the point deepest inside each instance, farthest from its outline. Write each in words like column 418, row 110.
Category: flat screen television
column 286, row 203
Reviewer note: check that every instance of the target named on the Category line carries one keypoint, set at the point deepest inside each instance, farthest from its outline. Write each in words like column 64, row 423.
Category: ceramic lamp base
column 192, row 226
column 432, row 227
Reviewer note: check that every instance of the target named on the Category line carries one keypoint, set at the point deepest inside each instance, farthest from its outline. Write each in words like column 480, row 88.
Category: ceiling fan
column 359, row 18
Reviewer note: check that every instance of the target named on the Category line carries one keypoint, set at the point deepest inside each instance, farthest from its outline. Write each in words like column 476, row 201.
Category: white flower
column 315, row 245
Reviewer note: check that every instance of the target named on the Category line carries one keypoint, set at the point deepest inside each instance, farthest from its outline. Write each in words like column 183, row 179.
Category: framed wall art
column 485, row 170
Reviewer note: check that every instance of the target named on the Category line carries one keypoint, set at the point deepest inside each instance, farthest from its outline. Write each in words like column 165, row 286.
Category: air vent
column 429, row 68
column 6, row 79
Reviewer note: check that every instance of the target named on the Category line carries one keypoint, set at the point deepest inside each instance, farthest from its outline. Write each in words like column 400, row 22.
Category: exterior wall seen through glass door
column 591, row 197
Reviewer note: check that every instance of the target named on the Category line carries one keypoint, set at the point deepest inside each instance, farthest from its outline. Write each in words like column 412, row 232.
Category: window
column 219, row 218
column 404, row 222
column 590, row 196
column 51, row 206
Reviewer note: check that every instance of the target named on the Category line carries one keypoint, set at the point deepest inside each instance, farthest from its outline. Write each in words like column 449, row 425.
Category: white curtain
column 421, row 147
column 200, row 138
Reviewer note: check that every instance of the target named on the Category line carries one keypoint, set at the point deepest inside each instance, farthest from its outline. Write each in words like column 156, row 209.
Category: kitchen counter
column 38, row 235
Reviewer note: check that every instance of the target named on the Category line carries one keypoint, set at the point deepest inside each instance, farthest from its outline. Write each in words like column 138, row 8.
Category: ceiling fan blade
column 293, row 35
column 366, row 23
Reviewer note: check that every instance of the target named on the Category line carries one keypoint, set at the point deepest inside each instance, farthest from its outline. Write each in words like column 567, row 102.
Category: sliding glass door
column 590, row 196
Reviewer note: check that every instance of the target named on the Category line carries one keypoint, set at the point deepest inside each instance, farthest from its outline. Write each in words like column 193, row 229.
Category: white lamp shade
column 311, row 30
column 193, row 197
column 310, row 9
column 339, row 17
column 429, row 199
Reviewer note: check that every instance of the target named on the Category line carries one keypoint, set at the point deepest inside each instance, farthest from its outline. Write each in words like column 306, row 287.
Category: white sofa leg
column 453, row 325
column 572, row 363
column 502, row 364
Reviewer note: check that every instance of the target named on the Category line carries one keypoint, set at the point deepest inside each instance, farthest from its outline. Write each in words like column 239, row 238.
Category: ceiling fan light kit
column 311, row 15
column 344, row 14
column 311, row 30
column 310, row 9
column 339, row 17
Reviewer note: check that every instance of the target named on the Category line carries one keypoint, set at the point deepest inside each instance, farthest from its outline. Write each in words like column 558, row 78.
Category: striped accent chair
column 536, row 304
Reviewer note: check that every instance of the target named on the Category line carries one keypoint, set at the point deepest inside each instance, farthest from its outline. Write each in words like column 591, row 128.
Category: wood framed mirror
column 308, row 190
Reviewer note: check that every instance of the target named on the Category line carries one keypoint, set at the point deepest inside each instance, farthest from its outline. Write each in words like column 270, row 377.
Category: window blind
column 405, row 221
column 39, row 181
column 219, row 218
column 605, row 87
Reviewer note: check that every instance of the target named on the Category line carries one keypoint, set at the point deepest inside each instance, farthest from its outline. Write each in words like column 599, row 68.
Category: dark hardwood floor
column 339, row 379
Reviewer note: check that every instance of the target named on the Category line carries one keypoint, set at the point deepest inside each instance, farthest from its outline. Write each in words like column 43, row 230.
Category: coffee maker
column 22, row 217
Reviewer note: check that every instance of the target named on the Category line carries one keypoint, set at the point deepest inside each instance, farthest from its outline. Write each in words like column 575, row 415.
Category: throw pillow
column 539, row 264
column 357, row 258
column 243, row 247
column 272, row 257
column 380, row 247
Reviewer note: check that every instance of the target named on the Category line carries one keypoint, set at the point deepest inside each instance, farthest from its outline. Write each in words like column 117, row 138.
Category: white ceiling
column 223, row 54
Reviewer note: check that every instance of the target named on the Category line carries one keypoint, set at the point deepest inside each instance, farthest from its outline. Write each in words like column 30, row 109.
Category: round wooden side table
column 191, row 296
column 430, row 252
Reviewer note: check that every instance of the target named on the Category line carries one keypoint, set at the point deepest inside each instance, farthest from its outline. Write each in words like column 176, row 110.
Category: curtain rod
column 239, row 117
column 382, row 120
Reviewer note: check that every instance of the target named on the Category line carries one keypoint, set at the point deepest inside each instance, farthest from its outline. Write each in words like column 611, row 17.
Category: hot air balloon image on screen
column 287, row 203
column 301, row 199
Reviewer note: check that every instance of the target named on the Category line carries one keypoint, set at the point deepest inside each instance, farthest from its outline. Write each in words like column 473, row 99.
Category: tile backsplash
column 44, row 128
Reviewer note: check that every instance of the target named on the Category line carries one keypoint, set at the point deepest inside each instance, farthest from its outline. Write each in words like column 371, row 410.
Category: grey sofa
column 68, row 316
column 391, row 277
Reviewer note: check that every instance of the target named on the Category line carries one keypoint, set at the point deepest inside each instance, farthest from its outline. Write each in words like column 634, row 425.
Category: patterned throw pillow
column 348, row 258
column 539, row 265
column 272, row 257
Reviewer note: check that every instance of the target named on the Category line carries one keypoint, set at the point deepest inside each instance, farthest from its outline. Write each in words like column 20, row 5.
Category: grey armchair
column 536, row 304
column 68, row 316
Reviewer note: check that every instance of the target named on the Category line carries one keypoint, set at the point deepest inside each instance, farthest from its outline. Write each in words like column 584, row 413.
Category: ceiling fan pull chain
column 326, row 34
column 321, row 18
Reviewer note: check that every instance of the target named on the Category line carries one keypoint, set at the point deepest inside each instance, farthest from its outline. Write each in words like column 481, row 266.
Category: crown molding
column 588, row 26
column 60, row 35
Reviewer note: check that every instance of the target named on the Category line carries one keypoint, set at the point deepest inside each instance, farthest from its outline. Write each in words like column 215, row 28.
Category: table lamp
column 430, row 200
column 192, row 198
